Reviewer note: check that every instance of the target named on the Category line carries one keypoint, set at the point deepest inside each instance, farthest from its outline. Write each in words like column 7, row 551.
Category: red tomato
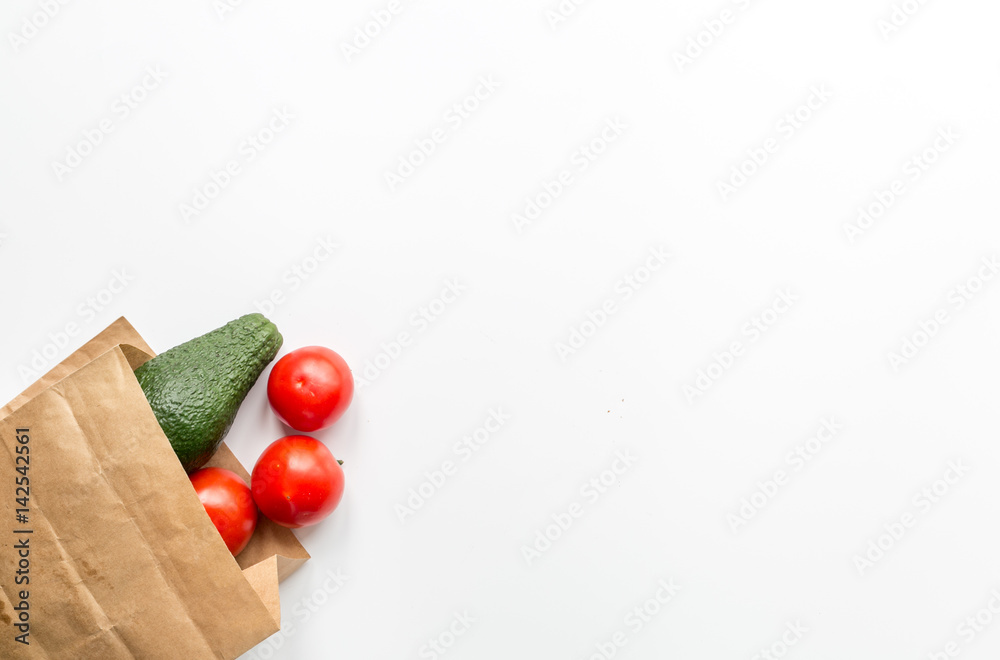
column 310, row 388
column 229, row 504
column 297, row 481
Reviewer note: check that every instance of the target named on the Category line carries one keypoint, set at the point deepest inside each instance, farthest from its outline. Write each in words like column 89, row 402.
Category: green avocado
column 196, row 388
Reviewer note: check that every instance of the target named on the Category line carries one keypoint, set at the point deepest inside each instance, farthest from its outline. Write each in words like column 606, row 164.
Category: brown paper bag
column 106, row 551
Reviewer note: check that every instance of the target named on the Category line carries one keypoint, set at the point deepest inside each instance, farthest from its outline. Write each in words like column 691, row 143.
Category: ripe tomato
column 297, row 481
column 310, row 388
column 229, row 504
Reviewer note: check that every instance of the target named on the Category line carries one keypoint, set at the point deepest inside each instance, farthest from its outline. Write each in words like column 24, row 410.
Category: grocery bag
column 105, row 550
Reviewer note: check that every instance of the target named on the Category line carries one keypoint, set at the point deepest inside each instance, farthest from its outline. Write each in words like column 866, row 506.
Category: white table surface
column 634, row 145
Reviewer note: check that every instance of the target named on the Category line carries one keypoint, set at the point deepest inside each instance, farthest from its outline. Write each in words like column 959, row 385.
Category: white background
column 63, row 235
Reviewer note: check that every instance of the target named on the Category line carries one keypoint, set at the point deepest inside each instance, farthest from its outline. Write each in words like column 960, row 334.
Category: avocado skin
column 196, row 388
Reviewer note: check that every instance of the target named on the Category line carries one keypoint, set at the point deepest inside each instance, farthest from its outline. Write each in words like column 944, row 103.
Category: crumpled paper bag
column 106, row 551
